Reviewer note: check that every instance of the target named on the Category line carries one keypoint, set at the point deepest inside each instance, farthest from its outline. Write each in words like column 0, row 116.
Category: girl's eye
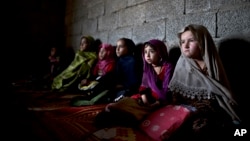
column 191, row 40
column 121, row 46
column 152, row 51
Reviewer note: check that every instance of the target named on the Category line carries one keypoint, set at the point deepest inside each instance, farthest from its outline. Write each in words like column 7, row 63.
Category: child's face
column 83, row 44
column 102, row 53
column 53, row 51
column 151, row 56
column 189, row 45
column 121, row 49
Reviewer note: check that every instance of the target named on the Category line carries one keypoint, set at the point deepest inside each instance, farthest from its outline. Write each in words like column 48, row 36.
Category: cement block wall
column 141, row 20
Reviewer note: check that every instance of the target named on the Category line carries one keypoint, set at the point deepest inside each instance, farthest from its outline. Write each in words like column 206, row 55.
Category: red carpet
column 70, row 123
column 54, row 120
column 76, row 124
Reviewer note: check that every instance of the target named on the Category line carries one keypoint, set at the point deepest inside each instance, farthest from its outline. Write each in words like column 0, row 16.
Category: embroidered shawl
column 189, row 81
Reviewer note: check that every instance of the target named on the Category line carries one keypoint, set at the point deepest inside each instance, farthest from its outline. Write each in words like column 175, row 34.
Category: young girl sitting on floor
column 199, row 80
column 98, row 85
column 53, row 66
column 79, row 68
column 153, row 92
column 127, row 80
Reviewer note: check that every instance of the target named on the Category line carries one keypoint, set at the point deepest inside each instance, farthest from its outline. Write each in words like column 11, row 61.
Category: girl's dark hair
column 129, row 44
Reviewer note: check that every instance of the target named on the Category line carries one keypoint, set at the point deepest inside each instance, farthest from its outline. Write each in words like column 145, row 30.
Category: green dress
column 79, row 68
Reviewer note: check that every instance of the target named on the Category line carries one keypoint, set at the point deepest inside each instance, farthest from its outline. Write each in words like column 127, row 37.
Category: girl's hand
column 144, row 99
column 155, row 104
column 84, row 82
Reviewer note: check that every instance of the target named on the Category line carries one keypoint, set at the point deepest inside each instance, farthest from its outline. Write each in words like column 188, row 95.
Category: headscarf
column 149, row 77
column 108, row 59
column 91, row 42
column 189, row 81
column 89, row 38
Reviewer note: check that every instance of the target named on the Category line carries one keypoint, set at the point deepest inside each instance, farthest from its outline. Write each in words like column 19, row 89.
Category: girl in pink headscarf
column 98, row 85
column 106, row 60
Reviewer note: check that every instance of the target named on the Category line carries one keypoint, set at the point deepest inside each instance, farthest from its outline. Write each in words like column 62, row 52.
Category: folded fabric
column 91, row 85
column 84, row 102
column 106, row 133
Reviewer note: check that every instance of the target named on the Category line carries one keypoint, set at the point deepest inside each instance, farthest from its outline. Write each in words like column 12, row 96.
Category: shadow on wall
column 139, row 60
column 174, row 54
column 234, row 54
column 67, row 57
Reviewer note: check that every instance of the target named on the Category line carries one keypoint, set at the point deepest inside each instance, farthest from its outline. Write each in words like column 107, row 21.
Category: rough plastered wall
column 142, row 20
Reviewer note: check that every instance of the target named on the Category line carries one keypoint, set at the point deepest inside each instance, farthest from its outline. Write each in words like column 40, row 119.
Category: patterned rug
column 44, row 100
column 70, row 123
column 76, row 123
column 53, row 119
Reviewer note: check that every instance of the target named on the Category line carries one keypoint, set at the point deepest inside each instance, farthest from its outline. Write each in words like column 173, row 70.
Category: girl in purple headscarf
column 153, row 92
column 157, row 73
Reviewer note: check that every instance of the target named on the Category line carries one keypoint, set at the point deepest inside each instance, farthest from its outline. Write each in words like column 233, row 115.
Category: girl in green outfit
column 79, row 68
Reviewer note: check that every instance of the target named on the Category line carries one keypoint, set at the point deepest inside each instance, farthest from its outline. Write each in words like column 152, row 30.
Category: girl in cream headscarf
column 200, row 80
